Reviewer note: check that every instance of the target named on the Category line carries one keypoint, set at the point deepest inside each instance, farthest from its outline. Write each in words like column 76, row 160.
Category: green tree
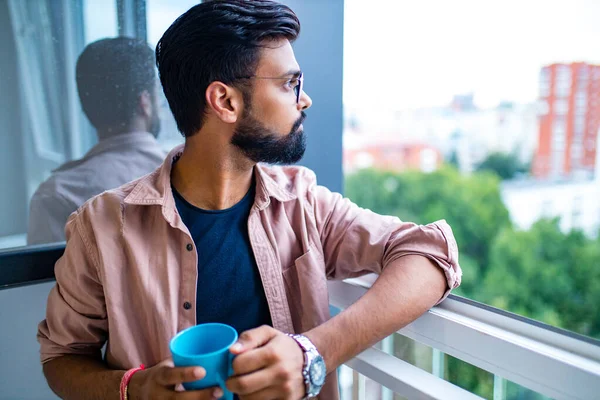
column 506, row 166
column 541, row 273
column 581, row 314
column 529, row 272
column 452, row 159
column 471, row 204
column 546, row 275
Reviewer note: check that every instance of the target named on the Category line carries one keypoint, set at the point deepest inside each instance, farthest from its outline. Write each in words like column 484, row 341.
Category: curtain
column 48, row 37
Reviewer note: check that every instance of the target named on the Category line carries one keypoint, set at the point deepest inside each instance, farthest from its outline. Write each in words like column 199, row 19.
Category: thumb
column 253, row 338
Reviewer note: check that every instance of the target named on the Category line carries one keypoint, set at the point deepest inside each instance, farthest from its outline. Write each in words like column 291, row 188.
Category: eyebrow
column 295, row 73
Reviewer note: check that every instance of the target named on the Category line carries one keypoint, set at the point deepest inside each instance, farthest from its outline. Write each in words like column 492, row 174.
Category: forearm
column 405, row 290
column 78, row 377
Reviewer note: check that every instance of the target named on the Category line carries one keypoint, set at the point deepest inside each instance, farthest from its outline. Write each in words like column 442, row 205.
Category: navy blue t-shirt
column 230, row 290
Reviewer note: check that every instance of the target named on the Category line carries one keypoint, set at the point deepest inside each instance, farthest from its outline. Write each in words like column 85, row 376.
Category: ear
column 145, row 104
column 226, row 102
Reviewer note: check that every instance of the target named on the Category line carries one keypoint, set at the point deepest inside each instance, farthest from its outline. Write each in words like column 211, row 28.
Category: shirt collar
column 155, row 188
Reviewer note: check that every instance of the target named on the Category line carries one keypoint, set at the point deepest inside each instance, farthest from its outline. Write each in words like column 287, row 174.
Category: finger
column 254, row 382
column 253, row 338
column 253, row 360
column 204, row 394
column 170, row 376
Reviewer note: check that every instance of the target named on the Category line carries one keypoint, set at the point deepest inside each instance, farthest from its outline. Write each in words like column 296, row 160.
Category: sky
column 404, row 54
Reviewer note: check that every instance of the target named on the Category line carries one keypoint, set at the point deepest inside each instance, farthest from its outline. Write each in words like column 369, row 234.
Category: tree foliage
column 506, row 166
column 541, row 273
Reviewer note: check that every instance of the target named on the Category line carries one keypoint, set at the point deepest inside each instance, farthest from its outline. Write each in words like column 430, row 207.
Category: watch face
column 317, row 371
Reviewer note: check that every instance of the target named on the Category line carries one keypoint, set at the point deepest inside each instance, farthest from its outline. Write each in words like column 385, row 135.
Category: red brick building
column 569, row 124
column 393, row 156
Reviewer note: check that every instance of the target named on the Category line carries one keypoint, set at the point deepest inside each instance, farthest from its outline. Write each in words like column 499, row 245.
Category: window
column 160, row 15
column 561, row 106
column 559, row 129
column 562, row 87
column 579, row 125
column 576, row 153
column 583, row 74
column 581, row 101
column 39, row 98
column 557, row 162
column 40, row 101
column 100, row 19
column 506, row 257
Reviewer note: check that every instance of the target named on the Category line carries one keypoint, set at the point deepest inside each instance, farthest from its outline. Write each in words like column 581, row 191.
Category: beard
column 260, row 144
column 155, row 122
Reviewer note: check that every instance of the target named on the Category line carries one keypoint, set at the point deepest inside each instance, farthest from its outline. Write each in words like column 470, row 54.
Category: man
column 215, row 236
column 118, row 90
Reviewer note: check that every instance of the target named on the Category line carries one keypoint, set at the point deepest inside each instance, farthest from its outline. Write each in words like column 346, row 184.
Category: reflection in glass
column 118, row 89
column 160, row 15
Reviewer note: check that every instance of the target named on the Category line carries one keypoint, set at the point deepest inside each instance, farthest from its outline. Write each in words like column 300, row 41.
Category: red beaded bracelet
column 125, row 381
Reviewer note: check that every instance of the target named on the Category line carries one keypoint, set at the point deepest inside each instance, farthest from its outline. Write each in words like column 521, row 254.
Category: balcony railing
column 550, row 361
column 547, row 360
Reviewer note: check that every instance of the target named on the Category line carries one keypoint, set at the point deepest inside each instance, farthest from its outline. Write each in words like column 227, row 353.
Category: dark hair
column 218, row 40
column 111, row 74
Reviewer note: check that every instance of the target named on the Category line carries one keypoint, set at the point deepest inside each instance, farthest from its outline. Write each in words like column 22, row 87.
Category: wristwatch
column 314, row 370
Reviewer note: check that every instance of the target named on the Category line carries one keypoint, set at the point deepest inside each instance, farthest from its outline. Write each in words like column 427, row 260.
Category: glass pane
column 80, row 115
column 160, row 15
column 452, row 115
column 100, row 19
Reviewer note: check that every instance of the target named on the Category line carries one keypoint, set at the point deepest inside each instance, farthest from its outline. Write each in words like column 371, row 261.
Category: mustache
column 298, row 122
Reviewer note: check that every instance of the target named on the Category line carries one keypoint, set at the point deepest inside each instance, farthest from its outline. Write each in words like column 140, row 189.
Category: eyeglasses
column 297, row 89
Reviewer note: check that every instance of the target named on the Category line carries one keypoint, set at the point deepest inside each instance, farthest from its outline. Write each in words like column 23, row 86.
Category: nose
column 305, row 101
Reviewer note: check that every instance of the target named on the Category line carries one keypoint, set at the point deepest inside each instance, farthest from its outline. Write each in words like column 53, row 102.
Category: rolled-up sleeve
column 357, row 241
column 76, row 320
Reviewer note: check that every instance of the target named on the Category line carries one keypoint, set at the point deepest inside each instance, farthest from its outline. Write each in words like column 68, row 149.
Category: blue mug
column 207, row 346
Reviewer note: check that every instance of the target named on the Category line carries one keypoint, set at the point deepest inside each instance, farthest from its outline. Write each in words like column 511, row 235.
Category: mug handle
column 227, row 395
column 221, row 382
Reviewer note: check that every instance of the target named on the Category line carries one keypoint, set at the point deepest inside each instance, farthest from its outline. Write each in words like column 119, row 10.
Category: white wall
column 21, row 310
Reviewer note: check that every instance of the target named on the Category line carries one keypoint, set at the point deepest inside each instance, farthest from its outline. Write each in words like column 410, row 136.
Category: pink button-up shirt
column 130, row 263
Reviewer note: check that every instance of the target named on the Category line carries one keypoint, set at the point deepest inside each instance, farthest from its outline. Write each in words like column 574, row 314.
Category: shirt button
column 187, row 305
column 189, row 247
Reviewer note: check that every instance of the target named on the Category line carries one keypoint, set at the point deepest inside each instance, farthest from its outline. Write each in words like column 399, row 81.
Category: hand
column 268, row 365
column 160, row 381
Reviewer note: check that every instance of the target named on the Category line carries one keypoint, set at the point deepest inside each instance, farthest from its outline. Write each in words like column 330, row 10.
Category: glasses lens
column 298, row 88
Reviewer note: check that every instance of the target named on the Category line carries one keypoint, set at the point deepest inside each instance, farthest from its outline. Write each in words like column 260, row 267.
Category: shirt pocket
column 306, row 291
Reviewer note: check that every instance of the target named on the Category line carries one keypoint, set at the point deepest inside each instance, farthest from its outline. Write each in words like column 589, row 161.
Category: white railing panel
column 548, row 362
column 406, row 379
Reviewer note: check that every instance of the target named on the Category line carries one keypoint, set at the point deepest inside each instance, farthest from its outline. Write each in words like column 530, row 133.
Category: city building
column 392, row 156
column 575, row 200
column 570, row 94
column 471, row 133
